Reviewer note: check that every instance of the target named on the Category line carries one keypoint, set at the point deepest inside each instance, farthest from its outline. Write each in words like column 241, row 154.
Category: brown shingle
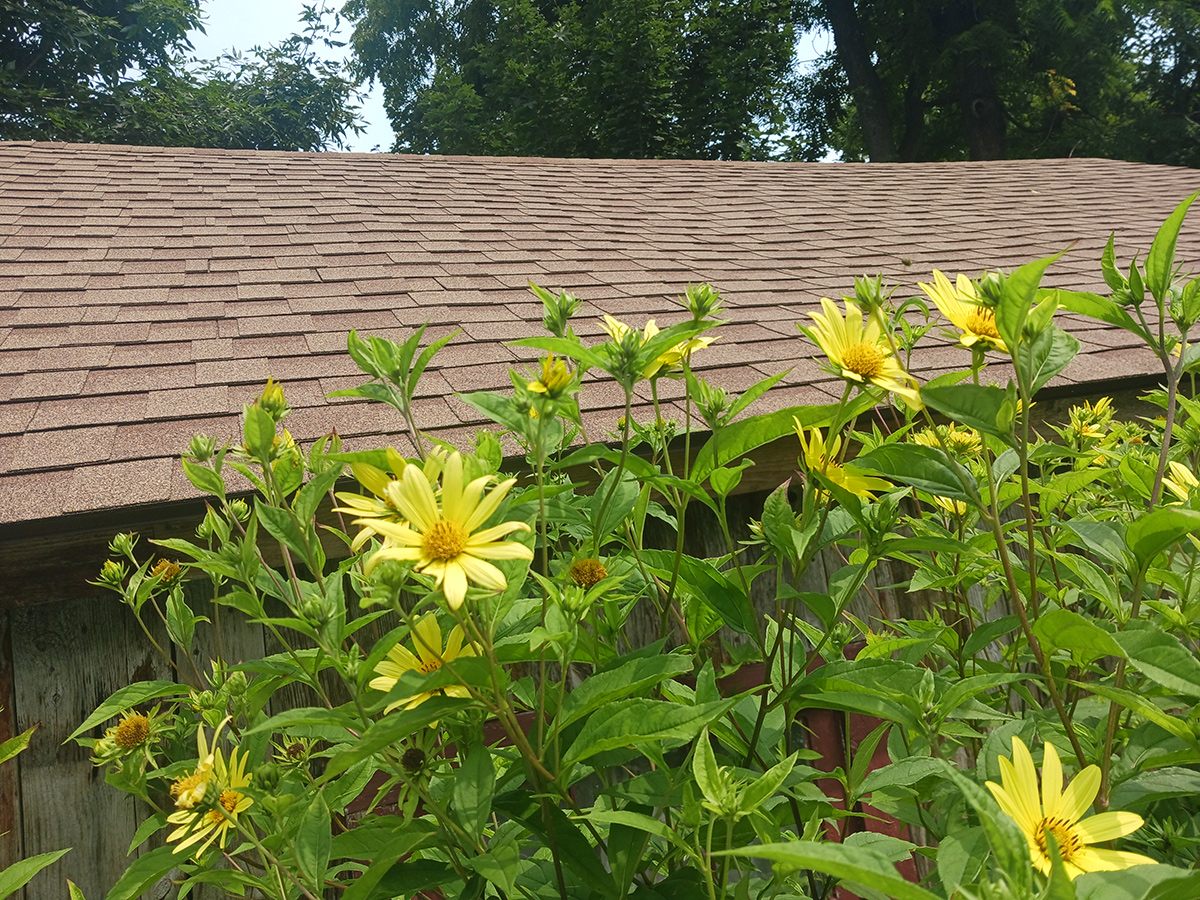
column 147, row 292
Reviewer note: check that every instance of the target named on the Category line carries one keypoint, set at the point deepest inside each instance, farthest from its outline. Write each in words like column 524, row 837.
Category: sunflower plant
column 599, row 669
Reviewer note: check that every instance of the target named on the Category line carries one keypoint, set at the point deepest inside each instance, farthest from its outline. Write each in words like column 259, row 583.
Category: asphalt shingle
column 146, row 292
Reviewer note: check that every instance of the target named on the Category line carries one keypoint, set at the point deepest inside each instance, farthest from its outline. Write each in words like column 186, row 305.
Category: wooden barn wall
column 61, row 660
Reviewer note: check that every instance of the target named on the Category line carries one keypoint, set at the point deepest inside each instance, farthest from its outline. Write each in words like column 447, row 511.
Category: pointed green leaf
column 1157, row 530
column 925, row 468
column 855, row 864
column 1161, row 657
column 1160, row 261
column 977, row 406
column 16, row 876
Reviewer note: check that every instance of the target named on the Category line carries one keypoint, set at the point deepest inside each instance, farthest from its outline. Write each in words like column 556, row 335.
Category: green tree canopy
column 906, row 80
column 115, row 71
column 624, row 78
column 927, row 79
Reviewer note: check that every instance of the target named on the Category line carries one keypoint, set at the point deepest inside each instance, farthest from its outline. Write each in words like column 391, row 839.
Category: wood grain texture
column 10, row 778
column 69, row 658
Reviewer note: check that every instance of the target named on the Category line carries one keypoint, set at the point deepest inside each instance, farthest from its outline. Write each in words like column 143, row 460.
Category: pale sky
column 240, row 24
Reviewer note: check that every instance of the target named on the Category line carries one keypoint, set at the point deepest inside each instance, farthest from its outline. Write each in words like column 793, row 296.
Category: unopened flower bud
column 112, row 573
column 123, row 544
column 201, row 448
column 273, row 401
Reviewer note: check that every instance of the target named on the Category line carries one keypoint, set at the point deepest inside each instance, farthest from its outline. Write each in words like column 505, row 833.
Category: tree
column 114, row 71
column 620, row 78
column 927, row 79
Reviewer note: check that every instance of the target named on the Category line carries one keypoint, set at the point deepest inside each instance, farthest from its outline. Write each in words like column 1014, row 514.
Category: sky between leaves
column 240, row 24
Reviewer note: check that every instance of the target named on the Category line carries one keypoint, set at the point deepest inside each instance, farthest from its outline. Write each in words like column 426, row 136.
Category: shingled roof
column 146, row 294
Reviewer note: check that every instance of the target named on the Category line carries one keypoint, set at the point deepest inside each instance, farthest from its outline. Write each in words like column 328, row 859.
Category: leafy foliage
column 109, row 71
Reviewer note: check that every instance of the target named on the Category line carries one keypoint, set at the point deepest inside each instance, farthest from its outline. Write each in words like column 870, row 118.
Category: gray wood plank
column 68, row 658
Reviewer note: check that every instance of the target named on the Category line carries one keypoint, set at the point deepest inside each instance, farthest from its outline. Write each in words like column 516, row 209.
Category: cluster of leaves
column 629, row 79
column 609, row 716
column 109, row 71
column 1020, row 78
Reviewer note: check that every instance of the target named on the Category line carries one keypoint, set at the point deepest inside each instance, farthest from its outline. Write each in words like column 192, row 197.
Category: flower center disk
column 445, row 540
column 983, row 323
column 1068, row 841
column 863, row 359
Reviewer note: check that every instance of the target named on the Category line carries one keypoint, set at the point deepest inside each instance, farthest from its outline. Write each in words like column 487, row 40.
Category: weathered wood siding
column 67, row 657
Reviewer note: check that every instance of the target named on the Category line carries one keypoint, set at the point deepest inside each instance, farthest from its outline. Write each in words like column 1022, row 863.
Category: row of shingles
column 63, row 213
column 441, row 267
column 174, row 389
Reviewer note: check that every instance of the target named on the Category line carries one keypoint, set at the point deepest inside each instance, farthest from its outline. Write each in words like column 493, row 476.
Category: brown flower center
column 863, row 359
column 132, row 732
column 587, row 573
column 982, row 321
column 1068, row 841
column 445, row 540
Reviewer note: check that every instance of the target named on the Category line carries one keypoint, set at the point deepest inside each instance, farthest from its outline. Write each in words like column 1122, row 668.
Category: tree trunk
column 870, row 99
column 983, row 114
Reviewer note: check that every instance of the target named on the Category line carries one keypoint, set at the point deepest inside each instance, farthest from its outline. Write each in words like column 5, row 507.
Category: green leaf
column 474, row 787
column 960, row 857
column 204, row 478
column 499, row 409
column 1160, row 261
column 620, row 681
column 281, row 525
column 1048, row 354
column 259, row 432
column 638, row 722
column 311, row 495
column 393, row 727
column 308, row 715
column 1157, row 530
column 1017, row 297
column 1161, row 657
column 15, row 745
column 856, row 864
column 73, row 891
column 143, row 873
column 16, row 876
column 1065, row 629
column 740, row 438
column 1006, row 839
column 1143, row 707
column 127, row 697
column 974, row 405
column 1101, row 308
column 988, row 632
column 1140, row 883
column 1108, row 266
column 1102, row 539
column 615, row 498
column 568, row 347
column 925, row 468
column 710, row 585
column 706, row 771
column 765, row 786
column 551, row 824
column 313, row 836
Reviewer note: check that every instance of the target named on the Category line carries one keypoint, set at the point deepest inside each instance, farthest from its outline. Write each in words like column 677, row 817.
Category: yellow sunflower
column 555, row 378
column 856, row 345
column 961, row 304
column 429, row 657
column 822, row 459
column 384, row 487
column 1181, row 482
column 666, row 360
column 209, row 800
column 1060, row 813
column 442, row 540
column 959, row 440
